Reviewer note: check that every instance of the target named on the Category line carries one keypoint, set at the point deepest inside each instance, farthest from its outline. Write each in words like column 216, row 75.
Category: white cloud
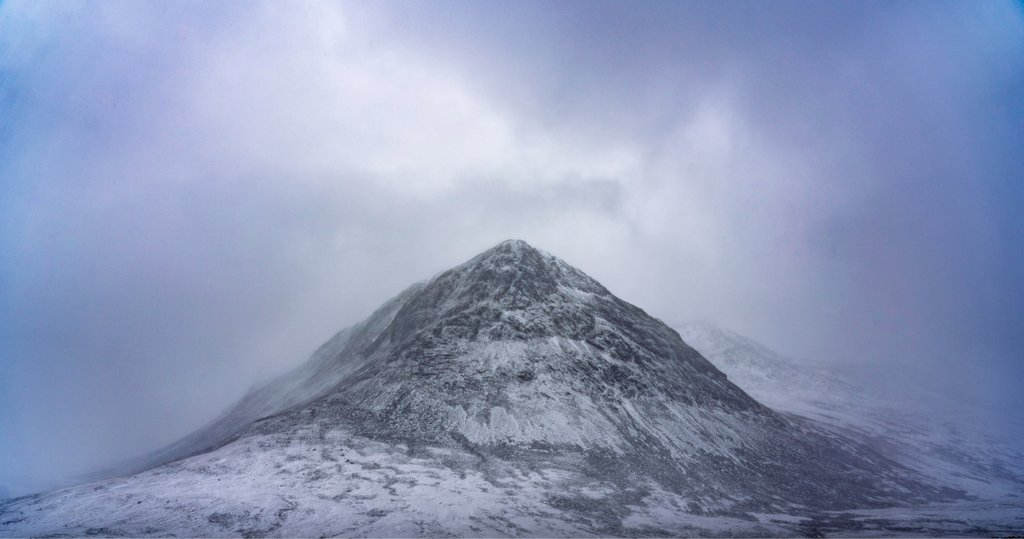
column 298, row 93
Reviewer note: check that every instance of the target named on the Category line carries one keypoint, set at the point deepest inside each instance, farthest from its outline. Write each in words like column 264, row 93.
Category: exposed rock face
column 518, row 364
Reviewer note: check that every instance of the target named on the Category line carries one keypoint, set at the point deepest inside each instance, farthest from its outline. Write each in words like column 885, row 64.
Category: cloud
column 195, row 196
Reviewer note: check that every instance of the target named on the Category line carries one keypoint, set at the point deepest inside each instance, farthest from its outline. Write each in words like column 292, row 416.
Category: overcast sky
column 194, row 196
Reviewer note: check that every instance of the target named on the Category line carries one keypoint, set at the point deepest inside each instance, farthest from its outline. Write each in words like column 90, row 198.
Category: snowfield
column 288, row 485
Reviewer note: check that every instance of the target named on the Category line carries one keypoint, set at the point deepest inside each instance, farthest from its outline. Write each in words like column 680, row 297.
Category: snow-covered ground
column 336, row 483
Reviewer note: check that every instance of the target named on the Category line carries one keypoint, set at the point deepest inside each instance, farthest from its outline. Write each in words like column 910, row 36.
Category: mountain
column 782, row 383
column 510, row 395
column 930, row 429
column 936, row 434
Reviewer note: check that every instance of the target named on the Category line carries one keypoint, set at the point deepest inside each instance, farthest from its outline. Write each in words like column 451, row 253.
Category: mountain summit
column 515, row 372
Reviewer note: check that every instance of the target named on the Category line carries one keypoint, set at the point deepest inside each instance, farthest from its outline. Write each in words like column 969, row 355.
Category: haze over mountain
column 935, row 433
column 195, row 195
column 510, row 395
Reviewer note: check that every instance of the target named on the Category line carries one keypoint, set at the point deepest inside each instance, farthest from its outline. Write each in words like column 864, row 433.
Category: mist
column 193, row 197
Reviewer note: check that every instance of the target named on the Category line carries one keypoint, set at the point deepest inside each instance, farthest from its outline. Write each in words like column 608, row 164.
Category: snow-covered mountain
column 511, row 395
column 937, row 434
column 781, row 383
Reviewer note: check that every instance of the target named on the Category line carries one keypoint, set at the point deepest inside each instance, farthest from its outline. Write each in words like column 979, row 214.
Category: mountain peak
column 514, row 256
column 513, row 244
column 511, row 291
column 511, row 256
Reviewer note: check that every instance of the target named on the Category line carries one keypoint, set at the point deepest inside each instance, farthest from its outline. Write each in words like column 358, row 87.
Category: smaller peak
column 511, row 276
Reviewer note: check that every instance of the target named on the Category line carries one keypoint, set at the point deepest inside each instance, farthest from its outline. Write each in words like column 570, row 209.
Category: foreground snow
column 288, row 485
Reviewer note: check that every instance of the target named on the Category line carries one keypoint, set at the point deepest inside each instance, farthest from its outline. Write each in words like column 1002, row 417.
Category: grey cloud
column 195, row 196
